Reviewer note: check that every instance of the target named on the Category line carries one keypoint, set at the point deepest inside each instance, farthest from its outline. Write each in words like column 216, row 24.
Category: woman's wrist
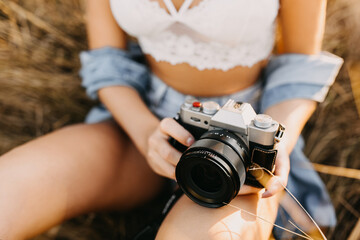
column 141, row 140
column 293, row 114
column 131, row 113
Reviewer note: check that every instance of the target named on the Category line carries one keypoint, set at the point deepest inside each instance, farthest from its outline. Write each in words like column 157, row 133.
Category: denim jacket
column 287, row 76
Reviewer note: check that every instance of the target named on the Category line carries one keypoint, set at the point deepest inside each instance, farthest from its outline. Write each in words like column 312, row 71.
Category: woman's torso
column 242, row 27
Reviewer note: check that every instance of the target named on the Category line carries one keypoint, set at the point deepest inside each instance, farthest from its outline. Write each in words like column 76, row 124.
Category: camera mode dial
column 210, row 107
column 263, row 121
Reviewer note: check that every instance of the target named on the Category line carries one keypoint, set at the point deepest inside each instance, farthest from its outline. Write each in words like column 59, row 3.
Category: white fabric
column 215, row 34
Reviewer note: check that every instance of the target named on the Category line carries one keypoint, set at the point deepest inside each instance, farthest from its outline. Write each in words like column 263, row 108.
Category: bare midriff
column 205, row 83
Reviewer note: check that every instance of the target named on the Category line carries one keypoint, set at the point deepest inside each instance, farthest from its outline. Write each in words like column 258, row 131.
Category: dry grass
column 40, row 91
column 333, row 133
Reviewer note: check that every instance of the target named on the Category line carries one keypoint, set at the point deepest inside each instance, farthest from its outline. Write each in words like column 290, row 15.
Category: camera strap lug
column 279, row 133
column 264, row 158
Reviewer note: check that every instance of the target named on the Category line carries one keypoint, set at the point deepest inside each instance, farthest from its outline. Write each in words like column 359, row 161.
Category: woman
column 208, row 49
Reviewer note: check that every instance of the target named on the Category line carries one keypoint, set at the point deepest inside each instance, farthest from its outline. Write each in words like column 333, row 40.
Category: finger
column 246, row 189
column 273, row 188
column 277, row 183
column 172, row 128
column 167, row 152
column 160, row 166
column 158, row 143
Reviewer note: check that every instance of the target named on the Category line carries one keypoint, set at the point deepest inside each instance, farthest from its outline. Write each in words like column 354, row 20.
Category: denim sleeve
column 110, row 66
column 291, row 76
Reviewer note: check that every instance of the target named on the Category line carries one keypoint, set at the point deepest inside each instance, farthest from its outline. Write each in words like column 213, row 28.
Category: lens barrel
column 212, row 171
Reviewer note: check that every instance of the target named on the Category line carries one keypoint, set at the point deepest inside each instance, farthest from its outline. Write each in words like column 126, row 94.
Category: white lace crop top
column 215, row 34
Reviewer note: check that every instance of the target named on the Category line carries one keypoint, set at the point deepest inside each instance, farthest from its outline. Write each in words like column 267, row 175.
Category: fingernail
column 190, row 141
column 266, row 194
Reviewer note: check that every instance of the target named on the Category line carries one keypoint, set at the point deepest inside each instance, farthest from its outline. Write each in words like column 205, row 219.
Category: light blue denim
column 286, row 77
column 110, row 66
column 165, row 101
column 290, row 76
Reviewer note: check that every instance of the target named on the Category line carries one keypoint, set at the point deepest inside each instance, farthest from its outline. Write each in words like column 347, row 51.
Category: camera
column 228, row 142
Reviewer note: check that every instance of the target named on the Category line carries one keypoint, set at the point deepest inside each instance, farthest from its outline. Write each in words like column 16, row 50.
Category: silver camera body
column 229, row 140
column 239, row 118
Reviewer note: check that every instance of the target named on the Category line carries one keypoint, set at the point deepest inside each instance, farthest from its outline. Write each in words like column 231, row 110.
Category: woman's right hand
column 161, row 156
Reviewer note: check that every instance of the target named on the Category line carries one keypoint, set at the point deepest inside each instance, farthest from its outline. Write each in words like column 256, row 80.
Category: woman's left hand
column 274, row 184
column 282, row 168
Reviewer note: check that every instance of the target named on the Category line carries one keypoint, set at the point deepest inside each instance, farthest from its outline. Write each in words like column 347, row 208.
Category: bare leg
column 71, row 171
column 187, row 220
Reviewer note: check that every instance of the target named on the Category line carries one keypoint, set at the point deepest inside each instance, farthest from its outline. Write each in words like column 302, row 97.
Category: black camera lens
column 212, row 171
column 206, row 177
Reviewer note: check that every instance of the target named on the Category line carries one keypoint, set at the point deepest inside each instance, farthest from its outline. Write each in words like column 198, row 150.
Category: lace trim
column 156, row 4
column 175, row 49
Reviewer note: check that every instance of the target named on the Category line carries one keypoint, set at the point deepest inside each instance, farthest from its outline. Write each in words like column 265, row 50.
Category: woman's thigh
column 68, row 172
column 188, row 220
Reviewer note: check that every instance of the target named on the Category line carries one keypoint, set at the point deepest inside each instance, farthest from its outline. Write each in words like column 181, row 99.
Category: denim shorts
column 165, row 101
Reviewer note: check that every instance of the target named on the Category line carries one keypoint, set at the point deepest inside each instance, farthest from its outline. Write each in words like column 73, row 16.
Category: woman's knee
column 188, row 220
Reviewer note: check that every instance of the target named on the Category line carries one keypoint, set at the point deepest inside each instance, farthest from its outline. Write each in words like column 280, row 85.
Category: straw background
column 40, row 91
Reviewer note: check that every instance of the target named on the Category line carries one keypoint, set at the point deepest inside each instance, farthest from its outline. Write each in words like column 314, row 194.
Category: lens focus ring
column 211, row 172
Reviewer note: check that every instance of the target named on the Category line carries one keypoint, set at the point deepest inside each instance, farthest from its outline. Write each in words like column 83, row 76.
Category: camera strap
column 150, row 231
column 264, row 158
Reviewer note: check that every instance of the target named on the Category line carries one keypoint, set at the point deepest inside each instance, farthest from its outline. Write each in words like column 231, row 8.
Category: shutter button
column 196, row 106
